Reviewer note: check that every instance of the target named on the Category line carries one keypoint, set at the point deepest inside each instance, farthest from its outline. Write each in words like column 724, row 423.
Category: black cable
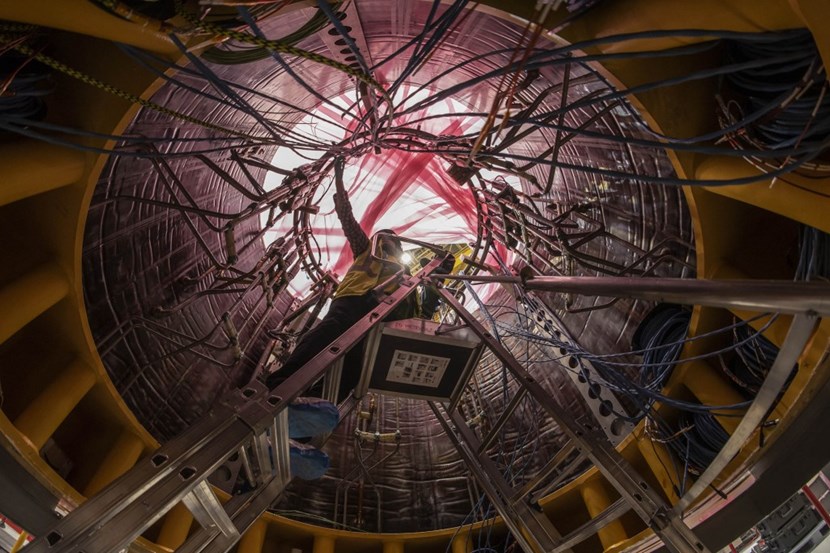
column 26, row 85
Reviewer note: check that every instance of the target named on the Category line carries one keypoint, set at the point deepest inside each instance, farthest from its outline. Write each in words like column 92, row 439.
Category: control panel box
column 419, row 359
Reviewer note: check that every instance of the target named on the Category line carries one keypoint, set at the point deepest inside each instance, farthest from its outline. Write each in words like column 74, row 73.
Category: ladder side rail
column 128, row 524
column 559, row 462
column 636, row 491
column 531, row 529
column 568, row 470
column 129, row 488
column 550, row 467
column 491, row 436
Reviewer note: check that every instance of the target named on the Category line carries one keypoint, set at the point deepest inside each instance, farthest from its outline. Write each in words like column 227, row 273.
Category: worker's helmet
column 391, row 239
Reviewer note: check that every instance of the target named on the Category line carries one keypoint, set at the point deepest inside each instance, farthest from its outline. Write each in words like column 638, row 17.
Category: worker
column 355, row 296
column 353, row 299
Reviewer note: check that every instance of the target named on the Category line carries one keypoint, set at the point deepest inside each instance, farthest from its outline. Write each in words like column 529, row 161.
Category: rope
column 115, row 91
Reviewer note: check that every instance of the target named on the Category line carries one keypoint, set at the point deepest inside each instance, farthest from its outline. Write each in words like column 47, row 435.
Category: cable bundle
column 697, row 443
column 789, row 96
column 661, row 336
column 754, row 355
column 659, row 339
column 814, row 255
column 23, row 87
column 231, row 53
column 580, row 5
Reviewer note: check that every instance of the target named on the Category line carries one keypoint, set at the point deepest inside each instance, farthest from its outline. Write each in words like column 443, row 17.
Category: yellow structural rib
column 53, row 379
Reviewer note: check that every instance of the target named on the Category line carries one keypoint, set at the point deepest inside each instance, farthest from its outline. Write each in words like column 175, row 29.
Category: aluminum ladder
column 251, row 422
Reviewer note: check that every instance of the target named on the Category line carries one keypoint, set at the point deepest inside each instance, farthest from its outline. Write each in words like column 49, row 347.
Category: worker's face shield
column 391, row 247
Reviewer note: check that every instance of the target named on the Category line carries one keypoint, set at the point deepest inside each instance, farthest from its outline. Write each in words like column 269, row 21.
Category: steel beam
column 531, row 529
column 779, row 296
column 590, row 441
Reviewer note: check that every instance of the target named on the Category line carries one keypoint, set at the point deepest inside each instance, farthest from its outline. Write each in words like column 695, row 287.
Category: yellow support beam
column 393, row 547
column 798, row 198
column 659, row 462
column 629, row 16
column 596, row 501
column 31, row 167
column 323, row 544
column 254, row 539
column 48, row 410
column 176, row 527
column 85, row 17
column 121, row 458
column 462, row 543
column 22, row 300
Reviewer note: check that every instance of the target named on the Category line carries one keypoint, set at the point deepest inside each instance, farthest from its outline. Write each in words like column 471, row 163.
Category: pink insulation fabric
column 409, row 192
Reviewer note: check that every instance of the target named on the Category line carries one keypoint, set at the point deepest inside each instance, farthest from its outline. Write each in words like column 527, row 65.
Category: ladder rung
column 246, row 465
column 207, row 510
column 263, row 457
column 613, row 512
column 331, row 381
column 546, row 471
column 502, row 420
column 279, row 443
column 243, row 510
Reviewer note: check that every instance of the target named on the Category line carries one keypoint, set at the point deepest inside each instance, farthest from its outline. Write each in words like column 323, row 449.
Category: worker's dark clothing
column 343, row 313
column 353, row 299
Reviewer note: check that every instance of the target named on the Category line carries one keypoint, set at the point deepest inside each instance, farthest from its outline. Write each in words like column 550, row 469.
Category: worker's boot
column 311, row 416
column 307, row 462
